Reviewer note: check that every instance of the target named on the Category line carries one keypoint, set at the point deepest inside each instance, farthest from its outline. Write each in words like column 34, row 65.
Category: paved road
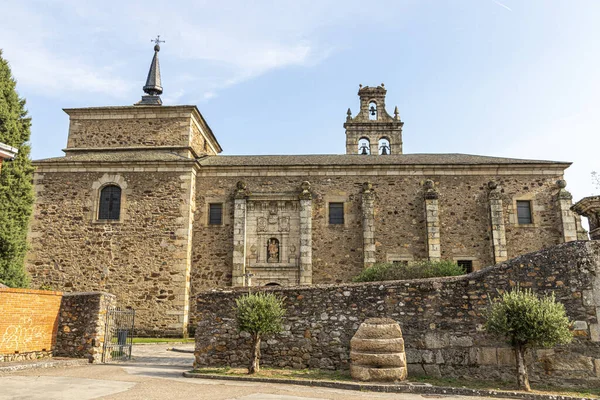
column 155, row 373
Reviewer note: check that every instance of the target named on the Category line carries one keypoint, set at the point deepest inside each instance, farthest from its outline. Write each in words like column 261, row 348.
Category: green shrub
column 526, row 321
column 259, row 314
column 415, row 270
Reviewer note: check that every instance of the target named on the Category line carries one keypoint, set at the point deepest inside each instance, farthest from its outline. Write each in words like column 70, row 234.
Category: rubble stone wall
column 442, row 320
column 399, row 220
column 142, row 258
column 82, row 325
column 28, row 323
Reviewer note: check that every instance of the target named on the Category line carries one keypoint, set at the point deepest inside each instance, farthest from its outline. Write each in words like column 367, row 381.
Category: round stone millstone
column 377, row 351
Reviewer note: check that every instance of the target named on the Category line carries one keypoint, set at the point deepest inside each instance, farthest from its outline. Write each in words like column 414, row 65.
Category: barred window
column 110, row 203
column 215, row 214
column 336, row 213
column 466, row 264
column 524, row 212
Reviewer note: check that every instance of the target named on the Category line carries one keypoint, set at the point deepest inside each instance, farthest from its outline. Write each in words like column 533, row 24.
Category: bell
column 373, row 111
column 384, row 151
column 364, row 150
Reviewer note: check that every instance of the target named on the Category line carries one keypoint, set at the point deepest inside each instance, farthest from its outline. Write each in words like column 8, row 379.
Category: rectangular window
column 215, row 214
column 336, row 213
column 466, row 264
column 524, row 212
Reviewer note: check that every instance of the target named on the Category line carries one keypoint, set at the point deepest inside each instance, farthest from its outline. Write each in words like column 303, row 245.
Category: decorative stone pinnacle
column 305, row 194
column 561, row 183
column 348, row 116
column 430, row 192
column 241, row 190
column 396, row 113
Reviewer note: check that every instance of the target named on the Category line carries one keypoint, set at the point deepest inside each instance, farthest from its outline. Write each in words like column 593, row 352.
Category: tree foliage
column 259, row 314
column 527, row 321
column 16, row 191
column 416, row 270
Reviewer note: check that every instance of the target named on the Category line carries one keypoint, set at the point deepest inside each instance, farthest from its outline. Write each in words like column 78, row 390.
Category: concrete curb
column 419, row 388
column 49, row 363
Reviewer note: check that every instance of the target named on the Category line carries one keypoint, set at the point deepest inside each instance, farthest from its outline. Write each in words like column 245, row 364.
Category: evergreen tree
column 16, row 188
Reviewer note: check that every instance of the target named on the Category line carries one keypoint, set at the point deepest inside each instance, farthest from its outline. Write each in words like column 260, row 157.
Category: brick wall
column 28, row 322
column 441, row 318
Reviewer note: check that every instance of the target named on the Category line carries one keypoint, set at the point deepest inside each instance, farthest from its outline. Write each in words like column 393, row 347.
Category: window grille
column 110, row 203
column 336, row 213
column 215, row 214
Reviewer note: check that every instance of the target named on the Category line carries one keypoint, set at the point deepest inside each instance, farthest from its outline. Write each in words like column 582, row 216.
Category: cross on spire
column 157, row 40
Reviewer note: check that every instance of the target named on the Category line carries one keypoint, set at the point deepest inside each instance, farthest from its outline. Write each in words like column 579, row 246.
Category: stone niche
column 273, row 239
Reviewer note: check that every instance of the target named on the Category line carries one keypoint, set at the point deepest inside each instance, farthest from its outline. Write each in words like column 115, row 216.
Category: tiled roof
column 357, row 159
column 116, row 156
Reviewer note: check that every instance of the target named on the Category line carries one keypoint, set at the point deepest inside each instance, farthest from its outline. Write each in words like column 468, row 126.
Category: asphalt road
column 155, row 373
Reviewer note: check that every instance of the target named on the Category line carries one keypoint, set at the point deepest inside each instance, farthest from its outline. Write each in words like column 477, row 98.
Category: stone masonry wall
column 441, row 318
column 129, row 126
column 143, row 258
column 399, row 219
column 28, row 323
column 82, row 325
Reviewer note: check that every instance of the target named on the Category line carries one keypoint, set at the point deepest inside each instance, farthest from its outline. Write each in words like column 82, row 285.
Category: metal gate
column 118, row 335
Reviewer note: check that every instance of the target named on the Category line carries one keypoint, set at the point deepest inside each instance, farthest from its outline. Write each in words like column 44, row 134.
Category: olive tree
column 528, row 321
column 259, row 314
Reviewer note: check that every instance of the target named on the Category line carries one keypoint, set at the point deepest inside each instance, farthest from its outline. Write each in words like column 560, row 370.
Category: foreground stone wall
column 28, row 323
column 82, row 325
column 441, row 318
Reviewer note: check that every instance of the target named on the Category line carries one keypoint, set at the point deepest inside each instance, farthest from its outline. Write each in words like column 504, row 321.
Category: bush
column 259, row 314
column 416, row 270
column 526, row 321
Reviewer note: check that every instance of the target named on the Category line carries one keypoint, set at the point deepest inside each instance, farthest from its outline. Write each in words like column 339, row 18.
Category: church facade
column 143, row 206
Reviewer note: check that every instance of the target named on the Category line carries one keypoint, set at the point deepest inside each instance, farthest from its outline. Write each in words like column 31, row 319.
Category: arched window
column 364, row 146
column 384, row 147
column 373, row 111
column 273, row 250
column 110, row 203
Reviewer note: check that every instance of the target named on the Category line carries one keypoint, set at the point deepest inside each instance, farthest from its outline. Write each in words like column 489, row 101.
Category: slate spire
column 153, row 86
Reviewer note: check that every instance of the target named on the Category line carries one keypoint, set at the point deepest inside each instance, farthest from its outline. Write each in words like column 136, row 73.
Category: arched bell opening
column 384, row 146
column 364, row 146
column 372, row 111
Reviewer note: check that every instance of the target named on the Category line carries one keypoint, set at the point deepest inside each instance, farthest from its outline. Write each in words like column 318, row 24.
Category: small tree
column 259, row 314
column 528, row 321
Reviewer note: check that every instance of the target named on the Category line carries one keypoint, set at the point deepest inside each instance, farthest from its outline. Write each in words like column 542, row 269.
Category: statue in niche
column 273, row 250
column 261, row 224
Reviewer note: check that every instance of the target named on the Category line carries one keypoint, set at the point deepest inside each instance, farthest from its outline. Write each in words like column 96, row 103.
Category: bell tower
column 373, row 131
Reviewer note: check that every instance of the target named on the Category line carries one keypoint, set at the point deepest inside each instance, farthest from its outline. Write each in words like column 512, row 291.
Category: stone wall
column 399, row 224
column 82, row 325
column 441, row 318
column 143, row 258
column 28, row 323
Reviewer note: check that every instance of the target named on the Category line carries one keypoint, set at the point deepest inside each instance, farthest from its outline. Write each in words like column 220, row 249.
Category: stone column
column 432, row 221
column 239, row 235
column 497, row 221
column 305, row 234
column 368, row 222
column 568, row 219
column 590, row 207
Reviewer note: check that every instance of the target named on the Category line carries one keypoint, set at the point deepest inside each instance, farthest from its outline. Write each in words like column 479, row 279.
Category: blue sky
column 504, row 78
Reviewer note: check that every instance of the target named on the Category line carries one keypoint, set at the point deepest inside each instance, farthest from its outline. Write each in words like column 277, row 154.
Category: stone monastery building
column 143, row 206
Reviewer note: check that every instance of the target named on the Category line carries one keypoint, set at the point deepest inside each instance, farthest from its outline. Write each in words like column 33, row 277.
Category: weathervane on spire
column 157, row 42
column 153, row 87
